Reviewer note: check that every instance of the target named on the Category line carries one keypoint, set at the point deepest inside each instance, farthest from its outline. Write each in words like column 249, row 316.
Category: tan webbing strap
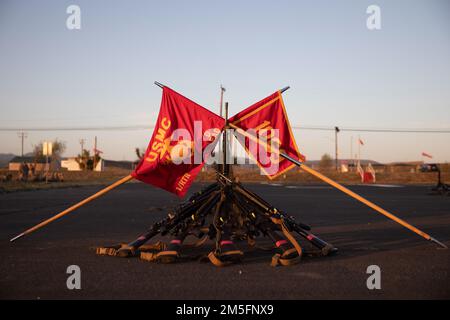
column 197, row 243
column 252, row 244
column 113, row 250
column 148, row 256
column 156, row 246
column 154, row 256
column 167, row 253
column 232, row 252
column 216, row 261
column 219, row 263
column 275, row 260
column 103, row 251
column 288, row 235
column 280, row 259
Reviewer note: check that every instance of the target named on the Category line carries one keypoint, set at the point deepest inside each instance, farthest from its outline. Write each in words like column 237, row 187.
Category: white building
column 71, row 164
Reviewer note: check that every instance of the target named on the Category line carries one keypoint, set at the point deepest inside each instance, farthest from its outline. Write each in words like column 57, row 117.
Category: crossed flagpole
column 287, row 157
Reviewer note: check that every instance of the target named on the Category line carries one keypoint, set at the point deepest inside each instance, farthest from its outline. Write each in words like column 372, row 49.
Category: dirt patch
column 294, row 176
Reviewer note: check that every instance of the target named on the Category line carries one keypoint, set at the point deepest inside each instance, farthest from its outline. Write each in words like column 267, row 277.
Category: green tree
column 139, row 153
column 58, row 149
column 86, row 161
column 326, row 162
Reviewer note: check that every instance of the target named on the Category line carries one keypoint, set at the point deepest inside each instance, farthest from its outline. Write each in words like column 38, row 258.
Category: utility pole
column 95, row 153
column 222, row 90
column 359, row 150
column 22, row 135
column 82, row 141
column 225, row 142
column 351, row 150
column 352, row 157
column 336, row 131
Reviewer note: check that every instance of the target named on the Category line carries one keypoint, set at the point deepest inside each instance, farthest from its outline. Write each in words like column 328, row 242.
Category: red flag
column 174, row 155
column 261, row 118
column 427, row 155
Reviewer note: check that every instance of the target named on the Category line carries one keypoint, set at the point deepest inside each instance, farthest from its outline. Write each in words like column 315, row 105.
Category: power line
column 22, row 135
column 295, row 127
column 387, row 130
column 105, row 128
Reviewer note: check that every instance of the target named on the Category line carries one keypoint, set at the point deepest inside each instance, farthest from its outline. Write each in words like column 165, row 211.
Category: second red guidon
column 261, row 118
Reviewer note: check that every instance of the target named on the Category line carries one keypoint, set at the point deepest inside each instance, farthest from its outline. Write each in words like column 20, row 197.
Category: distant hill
column 118, row 164
column 363, row 162
column 5, row 158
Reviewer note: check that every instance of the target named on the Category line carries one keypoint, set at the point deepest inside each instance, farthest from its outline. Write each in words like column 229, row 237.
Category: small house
column 14, row 163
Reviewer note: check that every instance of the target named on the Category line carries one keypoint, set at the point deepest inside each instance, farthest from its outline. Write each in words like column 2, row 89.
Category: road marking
column 272, row 184
column 328, row 187
column 382, row 185
column 308, row 187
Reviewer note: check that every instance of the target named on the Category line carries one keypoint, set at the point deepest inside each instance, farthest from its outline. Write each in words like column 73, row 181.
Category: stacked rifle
column 225, row 209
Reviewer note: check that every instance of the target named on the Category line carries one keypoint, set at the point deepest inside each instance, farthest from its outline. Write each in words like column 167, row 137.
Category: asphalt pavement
column 35, row 266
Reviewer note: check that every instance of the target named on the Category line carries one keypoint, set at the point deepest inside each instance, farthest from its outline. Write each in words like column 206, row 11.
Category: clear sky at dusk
column 340, row 72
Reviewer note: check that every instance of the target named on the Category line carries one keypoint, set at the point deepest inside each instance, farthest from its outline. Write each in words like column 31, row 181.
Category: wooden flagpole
column 342, row 188
column 363, row 200
column 79, row 204
column 74, row 207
